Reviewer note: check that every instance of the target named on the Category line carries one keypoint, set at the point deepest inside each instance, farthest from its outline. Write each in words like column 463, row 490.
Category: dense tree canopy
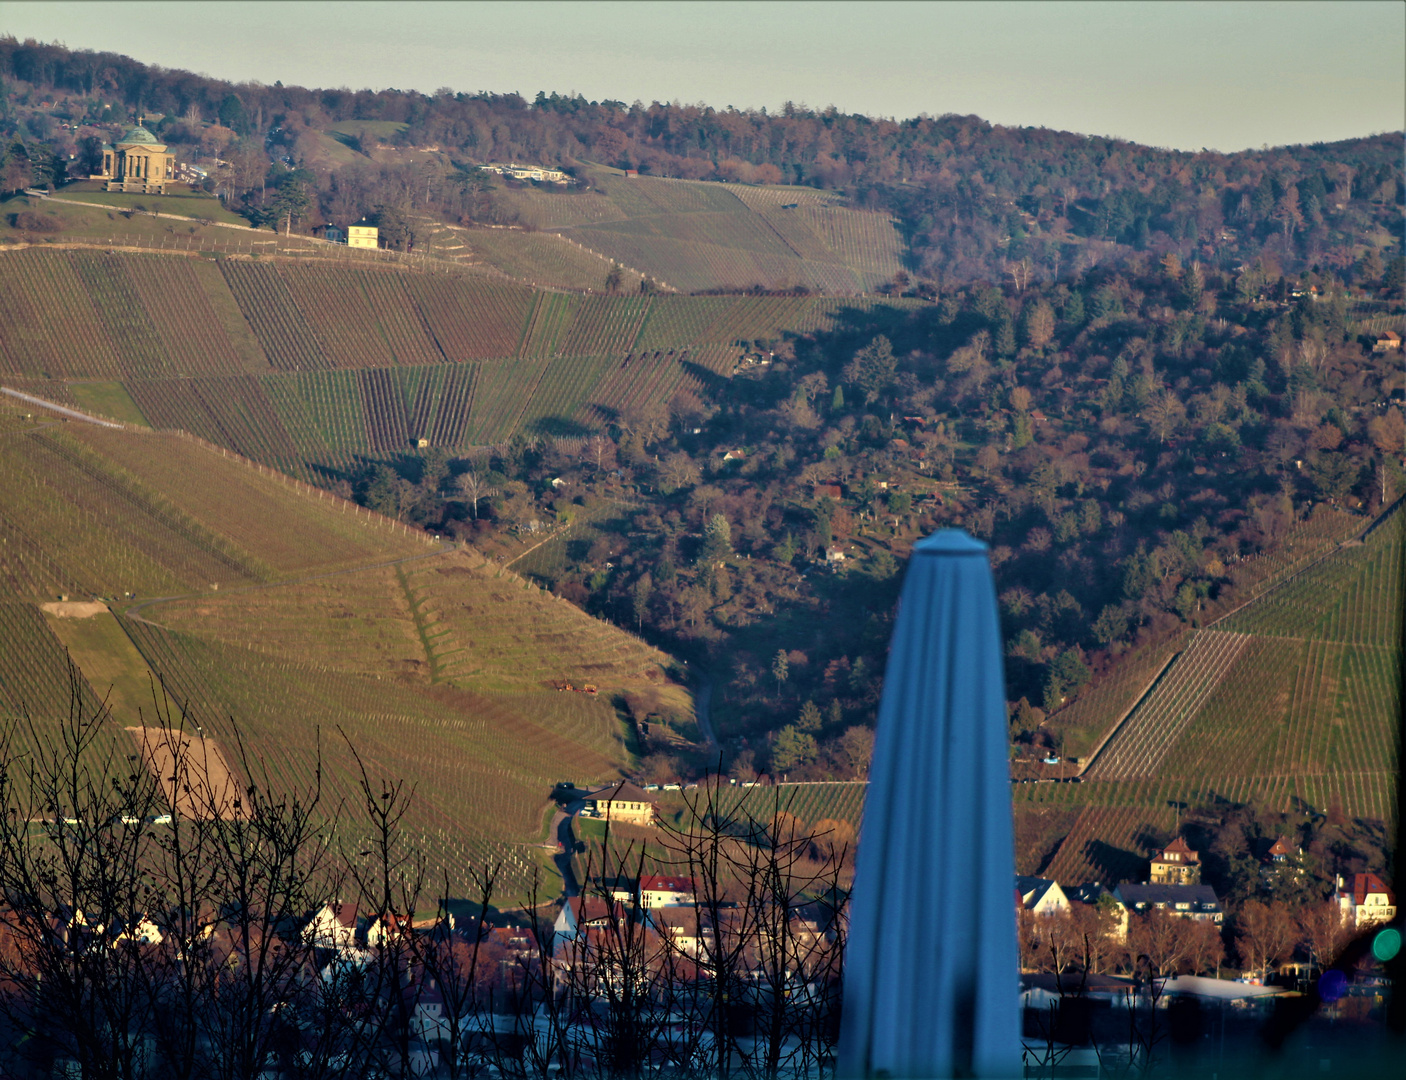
column 973, row 199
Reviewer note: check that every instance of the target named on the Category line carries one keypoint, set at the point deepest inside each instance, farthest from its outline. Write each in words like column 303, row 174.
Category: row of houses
column 1174, row 886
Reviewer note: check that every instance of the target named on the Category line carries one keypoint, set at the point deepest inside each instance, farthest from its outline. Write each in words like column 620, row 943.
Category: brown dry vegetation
column 192, row 773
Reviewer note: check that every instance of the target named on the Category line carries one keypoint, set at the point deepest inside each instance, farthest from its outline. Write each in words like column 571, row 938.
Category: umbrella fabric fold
column 931, row 979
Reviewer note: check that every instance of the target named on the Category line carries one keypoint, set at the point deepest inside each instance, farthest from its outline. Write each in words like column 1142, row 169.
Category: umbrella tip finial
column 950, row 542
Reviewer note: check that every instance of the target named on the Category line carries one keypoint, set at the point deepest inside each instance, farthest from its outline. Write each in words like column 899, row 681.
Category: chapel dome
column 138, row 135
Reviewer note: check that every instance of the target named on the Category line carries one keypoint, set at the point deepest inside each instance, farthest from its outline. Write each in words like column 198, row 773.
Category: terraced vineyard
column 1111, row 844
column 303, row 619
column 695, row 235
column 1292, row 699
column 305, row 364
column 89, row 511
column 543, row 258
column 811, row 803
column 447, row 618
column 1159, row 719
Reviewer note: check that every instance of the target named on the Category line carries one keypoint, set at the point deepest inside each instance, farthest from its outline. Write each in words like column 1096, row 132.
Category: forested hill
column 976, row 200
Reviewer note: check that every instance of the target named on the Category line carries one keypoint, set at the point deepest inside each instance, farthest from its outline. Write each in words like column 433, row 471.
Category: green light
column 1386, row 944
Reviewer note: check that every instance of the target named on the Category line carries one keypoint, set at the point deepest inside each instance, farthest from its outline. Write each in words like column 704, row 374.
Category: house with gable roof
column 622, row 801
column 1095, row 895
column 1040, row 896
column 1364, row 900
column 581, row 913
column 1282, row 863
column 686, row 929
column 667, row 890
column 332, row 927
column 1281, row 851
column 1175, row 864
column 1197, row 902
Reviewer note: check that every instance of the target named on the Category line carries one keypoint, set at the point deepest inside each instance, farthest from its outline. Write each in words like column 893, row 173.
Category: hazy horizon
column 1187, row 76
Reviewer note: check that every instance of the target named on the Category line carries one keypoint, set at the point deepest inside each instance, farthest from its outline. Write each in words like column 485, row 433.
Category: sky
column 1186, row 75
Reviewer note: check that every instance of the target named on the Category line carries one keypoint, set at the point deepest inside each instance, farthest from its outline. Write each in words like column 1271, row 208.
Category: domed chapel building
column 137, row 163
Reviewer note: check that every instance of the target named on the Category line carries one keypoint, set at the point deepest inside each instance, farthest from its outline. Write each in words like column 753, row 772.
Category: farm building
column 528, row 172
column 137, row 163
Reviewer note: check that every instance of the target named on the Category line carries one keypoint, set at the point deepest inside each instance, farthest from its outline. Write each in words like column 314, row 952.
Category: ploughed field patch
column 191, row 772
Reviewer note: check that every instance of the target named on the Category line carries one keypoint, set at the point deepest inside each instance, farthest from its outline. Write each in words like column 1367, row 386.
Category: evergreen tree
column 791, row 749
column 717, row 540
column 873, row 368
column 810, row 718
column 780, row 668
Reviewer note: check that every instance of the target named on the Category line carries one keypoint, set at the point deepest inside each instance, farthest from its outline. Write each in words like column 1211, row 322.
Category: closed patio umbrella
column 931, row 978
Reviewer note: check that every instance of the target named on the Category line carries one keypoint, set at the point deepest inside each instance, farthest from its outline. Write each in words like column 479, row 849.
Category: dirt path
column 523, row 554
column 144, row 213
column 63, row 410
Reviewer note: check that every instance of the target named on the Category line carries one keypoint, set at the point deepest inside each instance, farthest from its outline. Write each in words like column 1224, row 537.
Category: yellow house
column 1176, row 864
column 622, row 801
column 362, row 235
column 137, row 162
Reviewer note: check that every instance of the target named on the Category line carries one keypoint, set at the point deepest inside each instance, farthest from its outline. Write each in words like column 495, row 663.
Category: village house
column 580, row 913
column 424, row 1007
column 387, row 928
column 332, row 927
column 601, row 961
column 662, row 890
column 1387, row 342
column 1095, row 895
column 141, row 931
column 1197, row 902
column 624, row 802
column 1040, row 896
column 1175, row 864
column 685, row 930
column 1364, row 900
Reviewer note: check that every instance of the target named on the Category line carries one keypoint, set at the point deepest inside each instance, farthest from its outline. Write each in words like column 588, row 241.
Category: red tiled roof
column 345, row 914
column 1180, row 847
column 588, row 909
column 1362, row 884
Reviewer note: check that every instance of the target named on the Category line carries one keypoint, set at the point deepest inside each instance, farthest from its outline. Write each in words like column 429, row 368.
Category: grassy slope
column 181, row 200
column 306, row 650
